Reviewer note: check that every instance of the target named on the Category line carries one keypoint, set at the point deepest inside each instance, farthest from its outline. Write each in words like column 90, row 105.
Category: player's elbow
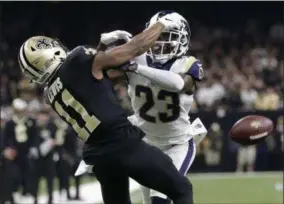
column 188, row 85
column 178, row 85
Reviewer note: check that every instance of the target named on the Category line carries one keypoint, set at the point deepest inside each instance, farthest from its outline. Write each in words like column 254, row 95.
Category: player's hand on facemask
column 170, row 21
column 108, row 38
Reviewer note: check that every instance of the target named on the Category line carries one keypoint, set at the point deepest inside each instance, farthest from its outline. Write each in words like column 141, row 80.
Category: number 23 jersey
column 163, row 115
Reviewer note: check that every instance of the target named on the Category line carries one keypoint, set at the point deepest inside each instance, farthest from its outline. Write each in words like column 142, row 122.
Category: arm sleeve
column 166, row 79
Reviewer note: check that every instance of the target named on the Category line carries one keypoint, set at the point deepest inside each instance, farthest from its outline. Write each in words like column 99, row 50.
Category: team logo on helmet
column 43, row 43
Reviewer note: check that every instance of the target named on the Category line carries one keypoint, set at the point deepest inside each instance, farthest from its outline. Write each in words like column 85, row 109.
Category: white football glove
column 108, row 38
column 170, row 21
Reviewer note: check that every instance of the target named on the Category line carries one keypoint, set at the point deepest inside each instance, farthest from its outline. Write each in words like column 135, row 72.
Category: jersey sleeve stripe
column 194, row 69
column 29, row 64
column 189, row 63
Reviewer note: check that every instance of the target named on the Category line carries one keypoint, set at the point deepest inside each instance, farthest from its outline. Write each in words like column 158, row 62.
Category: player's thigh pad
column 182, row 156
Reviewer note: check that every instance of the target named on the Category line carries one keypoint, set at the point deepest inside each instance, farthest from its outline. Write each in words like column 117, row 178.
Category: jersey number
column 91, row 122
column 173, row 108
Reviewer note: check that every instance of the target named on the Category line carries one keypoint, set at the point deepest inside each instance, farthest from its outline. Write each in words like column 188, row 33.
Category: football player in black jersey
column 79, row 90
column 20, row 146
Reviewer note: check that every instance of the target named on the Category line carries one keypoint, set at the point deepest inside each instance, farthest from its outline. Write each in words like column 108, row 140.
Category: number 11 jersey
column 89, row 105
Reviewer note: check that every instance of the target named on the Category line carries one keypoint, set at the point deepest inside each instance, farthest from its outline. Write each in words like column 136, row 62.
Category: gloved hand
column 129, row 66
column 108, row 38
column 170, row 21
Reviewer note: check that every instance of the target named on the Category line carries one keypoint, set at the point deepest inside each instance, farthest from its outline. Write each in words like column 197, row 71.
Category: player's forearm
column 166, row 79
column 142, row 42
column 138, row 45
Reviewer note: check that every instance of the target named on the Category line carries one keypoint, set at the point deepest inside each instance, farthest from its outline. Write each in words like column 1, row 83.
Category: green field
column 226, row 188
column 255, row 188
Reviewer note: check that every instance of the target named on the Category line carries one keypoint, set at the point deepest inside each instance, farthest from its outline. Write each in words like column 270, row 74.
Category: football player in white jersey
column 161, row 86
column 161, row 107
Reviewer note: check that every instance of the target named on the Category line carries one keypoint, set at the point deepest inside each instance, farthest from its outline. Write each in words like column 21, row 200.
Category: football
column 251, row 129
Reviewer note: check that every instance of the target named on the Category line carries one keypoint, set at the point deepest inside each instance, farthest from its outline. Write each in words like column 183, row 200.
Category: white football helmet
column 39, row 57
column 171, row 43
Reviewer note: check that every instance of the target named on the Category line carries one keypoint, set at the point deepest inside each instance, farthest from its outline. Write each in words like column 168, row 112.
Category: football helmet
column 171, row 43
column 39, row 57
column 19, row 104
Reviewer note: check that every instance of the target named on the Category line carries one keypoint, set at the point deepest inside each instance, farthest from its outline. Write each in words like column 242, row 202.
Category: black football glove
column 129, row 66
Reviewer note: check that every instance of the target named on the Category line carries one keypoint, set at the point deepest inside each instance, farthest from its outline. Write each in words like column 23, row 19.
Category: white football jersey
column 163, row 115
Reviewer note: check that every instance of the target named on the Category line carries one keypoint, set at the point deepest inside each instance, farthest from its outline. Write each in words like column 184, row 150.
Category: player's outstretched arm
column 137, row 46
column 171, row 81
column 166, row 79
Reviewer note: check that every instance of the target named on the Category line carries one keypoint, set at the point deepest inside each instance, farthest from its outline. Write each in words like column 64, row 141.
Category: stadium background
column 241, row 46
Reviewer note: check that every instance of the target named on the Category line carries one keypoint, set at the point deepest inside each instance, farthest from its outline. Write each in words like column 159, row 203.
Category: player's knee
column 158, row 200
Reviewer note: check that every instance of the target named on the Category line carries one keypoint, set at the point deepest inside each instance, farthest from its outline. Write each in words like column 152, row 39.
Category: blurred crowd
column 243, row 68
column 243, row 64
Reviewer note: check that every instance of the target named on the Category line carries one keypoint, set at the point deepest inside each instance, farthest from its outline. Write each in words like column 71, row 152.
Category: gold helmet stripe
column 28, row 62
column 25, row 64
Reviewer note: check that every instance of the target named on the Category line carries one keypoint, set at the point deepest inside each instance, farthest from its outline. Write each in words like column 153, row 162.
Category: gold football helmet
column 39, row 57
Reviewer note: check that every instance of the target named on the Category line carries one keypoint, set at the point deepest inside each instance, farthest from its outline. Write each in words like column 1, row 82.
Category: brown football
column 251, row 129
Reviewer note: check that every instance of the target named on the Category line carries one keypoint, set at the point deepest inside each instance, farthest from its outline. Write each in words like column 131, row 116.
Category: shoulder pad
column 82, row 52
column 194, row 68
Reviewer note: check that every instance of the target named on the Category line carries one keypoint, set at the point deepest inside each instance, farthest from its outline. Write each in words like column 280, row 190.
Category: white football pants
column 182, row 155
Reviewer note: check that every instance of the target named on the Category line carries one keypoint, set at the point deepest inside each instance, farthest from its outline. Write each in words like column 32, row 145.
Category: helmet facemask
column 171, row 44
column 51, row 66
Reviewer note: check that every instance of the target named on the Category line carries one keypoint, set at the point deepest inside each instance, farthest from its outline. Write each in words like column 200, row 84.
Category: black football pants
column 148, row 166
column 45, row 167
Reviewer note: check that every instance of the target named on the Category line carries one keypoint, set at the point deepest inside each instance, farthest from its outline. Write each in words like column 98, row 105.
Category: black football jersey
column 89, row 105
column 20, row 135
